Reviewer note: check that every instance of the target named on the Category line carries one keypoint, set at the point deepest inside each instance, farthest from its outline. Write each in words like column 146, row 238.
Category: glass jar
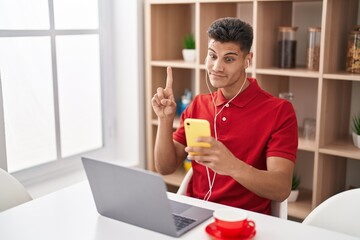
column 353, row 53
column 309, row 131
column 313, row 49
column 287, row 47
column 287, row 96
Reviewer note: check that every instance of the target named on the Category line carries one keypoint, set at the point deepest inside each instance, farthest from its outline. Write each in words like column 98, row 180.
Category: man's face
column 225, row 64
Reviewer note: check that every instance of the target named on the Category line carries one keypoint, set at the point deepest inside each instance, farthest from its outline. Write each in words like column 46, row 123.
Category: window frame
column 108, row 99
column 122, row 83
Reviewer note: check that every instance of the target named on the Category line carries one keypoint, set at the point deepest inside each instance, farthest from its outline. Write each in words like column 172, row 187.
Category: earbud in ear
column 248, row 64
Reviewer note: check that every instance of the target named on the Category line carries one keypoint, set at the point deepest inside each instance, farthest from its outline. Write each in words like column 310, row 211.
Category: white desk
column 71, row 214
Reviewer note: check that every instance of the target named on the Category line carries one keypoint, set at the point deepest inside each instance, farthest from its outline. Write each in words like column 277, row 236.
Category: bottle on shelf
column 353, row 51
column 287, row 47
column 187, row 165
column 309, row 129
column 183, row 102
column 313, row 49
column 287, row 96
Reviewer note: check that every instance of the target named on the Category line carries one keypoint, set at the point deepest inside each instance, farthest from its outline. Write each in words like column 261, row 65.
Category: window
column 51, row 80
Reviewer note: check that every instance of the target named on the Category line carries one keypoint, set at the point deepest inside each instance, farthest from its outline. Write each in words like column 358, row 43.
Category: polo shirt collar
column 243, row 98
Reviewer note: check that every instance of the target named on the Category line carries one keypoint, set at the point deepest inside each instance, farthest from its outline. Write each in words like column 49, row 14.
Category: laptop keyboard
column 181, row 222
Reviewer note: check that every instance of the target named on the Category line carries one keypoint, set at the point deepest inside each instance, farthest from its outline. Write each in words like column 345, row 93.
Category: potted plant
column 294, row 188
column 356, row 130
column 189, row 52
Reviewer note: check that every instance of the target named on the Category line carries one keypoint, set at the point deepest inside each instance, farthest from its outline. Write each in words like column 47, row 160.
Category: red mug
column 233, row 222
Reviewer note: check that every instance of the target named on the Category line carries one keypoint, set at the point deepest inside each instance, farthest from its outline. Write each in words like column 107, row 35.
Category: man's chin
column 216, row 83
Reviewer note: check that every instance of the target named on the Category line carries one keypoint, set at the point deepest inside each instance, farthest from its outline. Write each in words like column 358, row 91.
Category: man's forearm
column 165, row 151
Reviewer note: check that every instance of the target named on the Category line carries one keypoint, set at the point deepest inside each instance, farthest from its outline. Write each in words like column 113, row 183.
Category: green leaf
column 189, row 42
column 295, row 181
column 356, row 124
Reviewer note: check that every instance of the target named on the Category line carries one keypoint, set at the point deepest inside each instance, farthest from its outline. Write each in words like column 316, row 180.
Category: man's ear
column 248, row 59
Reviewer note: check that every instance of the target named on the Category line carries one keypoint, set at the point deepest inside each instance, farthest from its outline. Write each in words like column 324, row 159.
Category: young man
column 254, row 135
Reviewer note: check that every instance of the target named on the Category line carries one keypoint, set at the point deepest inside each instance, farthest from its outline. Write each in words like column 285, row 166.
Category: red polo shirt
column 254, row 126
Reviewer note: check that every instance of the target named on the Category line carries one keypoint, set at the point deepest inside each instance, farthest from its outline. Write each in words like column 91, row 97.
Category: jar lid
column 287, row 29
column 314, row 29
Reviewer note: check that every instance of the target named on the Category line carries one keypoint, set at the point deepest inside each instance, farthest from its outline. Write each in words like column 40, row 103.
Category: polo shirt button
column 227, row 105
column 224, row 119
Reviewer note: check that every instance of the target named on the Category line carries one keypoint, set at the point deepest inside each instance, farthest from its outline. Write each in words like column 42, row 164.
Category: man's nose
column 217, row 65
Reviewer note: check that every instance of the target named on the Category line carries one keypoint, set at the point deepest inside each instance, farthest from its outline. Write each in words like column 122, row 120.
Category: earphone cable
column 211, row 182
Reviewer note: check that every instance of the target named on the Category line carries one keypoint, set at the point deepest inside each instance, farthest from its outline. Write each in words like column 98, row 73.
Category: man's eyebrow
column 232, row 53
column 229, row 53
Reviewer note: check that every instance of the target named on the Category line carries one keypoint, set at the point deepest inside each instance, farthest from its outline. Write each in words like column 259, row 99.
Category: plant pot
column 189, row 55
column 356, row 139
column 293, row 195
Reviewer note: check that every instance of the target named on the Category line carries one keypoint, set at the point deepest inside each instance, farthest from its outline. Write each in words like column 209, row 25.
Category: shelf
column 302, row 207
column 341, row 148
column 307, row 145
column 303, row 144
column 343, row 76
column 174, row 64
column 293, row 72
column 171, row 2
column 176, row 178
column 154, row 122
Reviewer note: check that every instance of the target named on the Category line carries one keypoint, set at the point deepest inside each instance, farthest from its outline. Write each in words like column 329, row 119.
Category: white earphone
column 248, row 63
column 211, row 181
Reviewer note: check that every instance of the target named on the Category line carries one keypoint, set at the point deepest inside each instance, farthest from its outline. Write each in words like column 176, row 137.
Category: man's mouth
column 217, row 75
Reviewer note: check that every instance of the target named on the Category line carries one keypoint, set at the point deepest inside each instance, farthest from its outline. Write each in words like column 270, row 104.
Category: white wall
column 129, row 75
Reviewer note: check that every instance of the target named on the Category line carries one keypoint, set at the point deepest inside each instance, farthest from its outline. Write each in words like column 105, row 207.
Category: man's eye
column 212, row 56
column 229, row 59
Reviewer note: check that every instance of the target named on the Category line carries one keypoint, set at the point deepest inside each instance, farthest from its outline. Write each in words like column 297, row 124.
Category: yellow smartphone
column 195, row 128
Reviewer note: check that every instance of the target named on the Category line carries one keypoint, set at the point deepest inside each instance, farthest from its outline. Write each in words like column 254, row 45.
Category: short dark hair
column 232, row 30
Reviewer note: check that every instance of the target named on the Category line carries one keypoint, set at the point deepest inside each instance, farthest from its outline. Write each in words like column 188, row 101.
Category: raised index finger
column 169, row 78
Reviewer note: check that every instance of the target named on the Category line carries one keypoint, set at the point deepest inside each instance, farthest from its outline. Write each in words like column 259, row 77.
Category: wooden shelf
column 171, row 1
column 341, row 148
column 295, row 72
column 302, row 206
column 176, row 122
column 174, row 64
column 328, row 95
column 342, row 75
column 307, row 145
column 176, row 178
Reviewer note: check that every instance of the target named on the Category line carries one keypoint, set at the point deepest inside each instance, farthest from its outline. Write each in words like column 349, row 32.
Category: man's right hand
column 163, row 101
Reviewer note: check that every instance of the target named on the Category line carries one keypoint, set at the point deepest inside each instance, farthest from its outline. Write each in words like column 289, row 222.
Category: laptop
column 139, row 197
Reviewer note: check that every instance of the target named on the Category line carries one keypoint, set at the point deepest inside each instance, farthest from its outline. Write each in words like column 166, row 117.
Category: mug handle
column 249, row 229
